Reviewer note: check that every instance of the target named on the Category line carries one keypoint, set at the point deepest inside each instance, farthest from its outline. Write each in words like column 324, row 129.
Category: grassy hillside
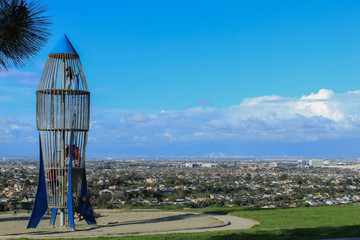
column 303, row 217
column 294, row 223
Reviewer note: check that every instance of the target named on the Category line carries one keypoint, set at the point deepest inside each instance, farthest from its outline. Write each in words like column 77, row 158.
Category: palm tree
column 23, row 31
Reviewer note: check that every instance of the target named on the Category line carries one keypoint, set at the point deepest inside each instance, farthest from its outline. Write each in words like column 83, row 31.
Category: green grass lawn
column 303, row 217
column 283, row 224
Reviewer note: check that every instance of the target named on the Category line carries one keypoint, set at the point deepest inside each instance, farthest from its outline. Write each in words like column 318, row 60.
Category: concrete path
column 229, row 223
column 116, row 223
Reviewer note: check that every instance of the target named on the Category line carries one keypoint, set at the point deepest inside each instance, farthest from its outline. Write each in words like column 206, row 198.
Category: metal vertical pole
column 62, row 164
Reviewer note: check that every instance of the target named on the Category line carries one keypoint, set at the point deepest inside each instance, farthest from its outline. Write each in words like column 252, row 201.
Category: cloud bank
column 322, row 116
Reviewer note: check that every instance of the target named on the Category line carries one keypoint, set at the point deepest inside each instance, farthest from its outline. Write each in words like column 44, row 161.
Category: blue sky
column 174, row 78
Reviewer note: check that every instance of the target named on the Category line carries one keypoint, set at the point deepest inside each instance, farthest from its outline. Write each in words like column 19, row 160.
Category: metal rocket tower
column 62, row 115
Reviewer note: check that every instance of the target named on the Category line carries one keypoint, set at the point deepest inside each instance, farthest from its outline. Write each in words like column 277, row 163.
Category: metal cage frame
column 63, row 116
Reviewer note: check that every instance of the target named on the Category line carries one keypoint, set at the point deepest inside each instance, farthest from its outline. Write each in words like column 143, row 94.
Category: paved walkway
column 115, row 223
column 229, row 223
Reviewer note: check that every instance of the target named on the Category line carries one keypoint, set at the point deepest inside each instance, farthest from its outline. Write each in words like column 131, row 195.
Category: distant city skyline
column 191, row 78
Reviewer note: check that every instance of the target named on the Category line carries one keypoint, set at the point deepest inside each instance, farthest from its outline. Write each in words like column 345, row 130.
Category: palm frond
column 23, row 31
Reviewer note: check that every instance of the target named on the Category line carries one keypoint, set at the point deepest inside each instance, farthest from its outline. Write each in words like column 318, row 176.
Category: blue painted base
column 84, row 206
column 53, row 216
column 41, row 203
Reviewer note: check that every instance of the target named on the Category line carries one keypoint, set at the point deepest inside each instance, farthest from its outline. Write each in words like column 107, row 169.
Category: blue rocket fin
column 84, row 206
column 70, row 191
column 41, row 202
column 53, row 216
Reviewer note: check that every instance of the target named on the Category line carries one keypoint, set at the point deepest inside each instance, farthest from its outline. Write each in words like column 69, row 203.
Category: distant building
column 208, row 165
column 316, row 163
column 192, row 165
column 154, row 180
column 200, row 165
column 273, row 164
column 150, row 180
column 301, row 163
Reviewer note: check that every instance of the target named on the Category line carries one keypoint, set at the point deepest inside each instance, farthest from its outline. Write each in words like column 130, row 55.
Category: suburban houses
column 200, row 182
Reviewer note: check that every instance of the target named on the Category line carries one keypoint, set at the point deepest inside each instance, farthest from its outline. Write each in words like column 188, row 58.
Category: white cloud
column 322, row 94
column 22, row 77
column 136, row 117
column 12, row 130
column 259, row 100
column 15, row 126
column 322, row 115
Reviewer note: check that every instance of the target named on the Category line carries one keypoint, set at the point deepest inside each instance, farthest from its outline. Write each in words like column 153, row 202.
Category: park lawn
column 282, row 224
column 291, row 218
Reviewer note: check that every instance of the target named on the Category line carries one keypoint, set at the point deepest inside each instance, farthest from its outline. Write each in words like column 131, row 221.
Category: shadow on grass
column 291, row 234
column 222, row 211
column 225, row 211
column 283, row 234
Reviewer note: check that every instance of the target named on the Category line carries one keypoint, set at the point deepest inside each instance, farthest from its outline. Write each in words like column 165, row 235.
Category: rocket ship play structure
column 62, row 116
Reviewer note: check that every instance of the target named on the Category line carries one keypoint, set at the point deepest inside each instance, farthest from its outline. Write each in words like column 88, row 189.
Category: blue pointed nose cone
column 64, row 46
